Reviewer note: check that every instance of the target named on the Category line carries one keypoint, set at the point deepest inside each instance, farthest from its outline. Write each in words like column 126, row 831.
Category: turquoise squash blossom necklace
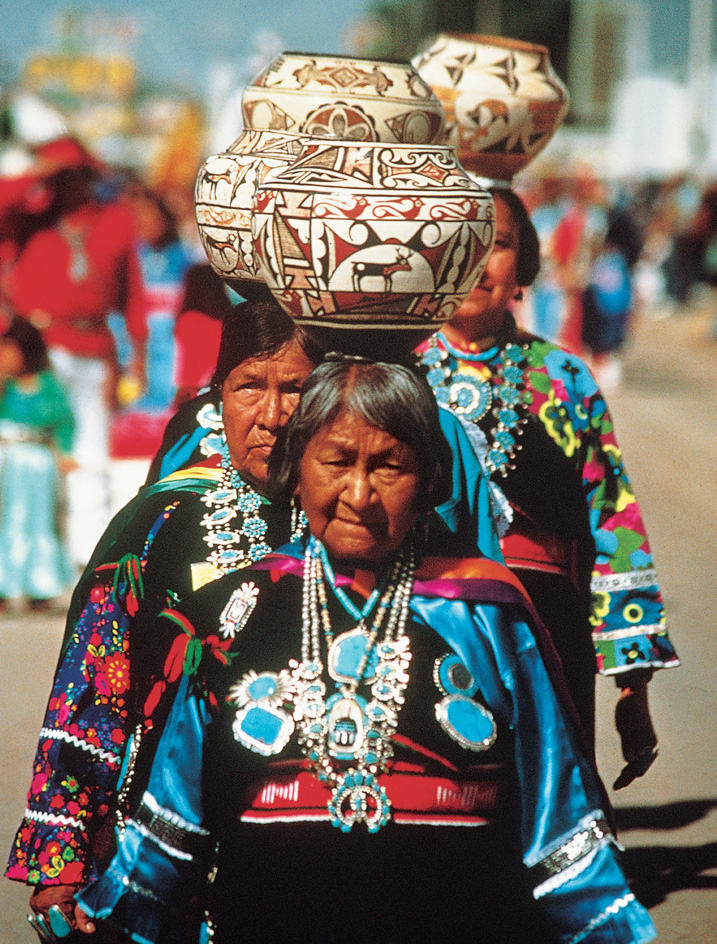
column 234, row 525
column 504, row 395
column 347, row 728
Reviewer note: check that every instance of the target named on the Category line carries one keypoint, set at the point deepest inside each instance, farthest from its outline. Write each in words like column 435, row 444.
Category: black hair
column 204, row 291
column 29, row 340
column 258, row 329
column 528, row 241
column 391, row 397
column 624, row 233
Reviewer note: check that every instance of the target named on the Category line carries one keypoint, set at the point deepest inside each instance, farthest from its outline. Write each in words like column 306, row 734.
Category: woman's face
column 258, row 398
column 359, row 488
column 486, row 304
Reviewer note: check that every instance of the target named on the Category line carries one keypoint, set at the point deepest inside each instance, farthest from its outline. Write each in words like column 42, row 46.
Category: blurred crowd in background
column 109, row 317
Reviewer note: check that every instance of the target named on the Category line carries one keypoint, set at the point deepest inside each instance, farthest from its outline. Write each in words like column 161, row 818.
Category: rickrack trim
column 635, row 579
column 641, row 629
column 54, row 819
column 55, row 735
column 608, row 913
column 592, row 831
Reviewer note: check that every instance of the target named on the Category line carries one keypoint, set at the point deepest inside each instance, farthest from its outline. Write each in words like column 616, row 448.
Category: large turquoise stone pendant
column 346, row 654
column 359, row 798
column 467, row 722
column 262, row 728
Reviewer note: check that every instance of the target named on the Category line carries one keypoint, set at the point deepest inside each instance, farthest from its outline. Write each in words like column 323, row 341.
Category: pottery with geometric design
column 502, row 98
column 372, row 236
column 224, row 196
column 345, row 97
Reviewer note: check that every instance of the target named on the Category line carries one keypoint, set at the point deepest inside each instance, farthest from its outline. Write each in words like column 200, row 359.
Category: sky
column 178, row 41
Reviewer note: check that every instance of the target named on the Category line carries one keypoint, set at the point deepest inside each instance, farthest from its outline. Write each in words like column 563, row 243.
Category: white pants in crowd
column 88, row 487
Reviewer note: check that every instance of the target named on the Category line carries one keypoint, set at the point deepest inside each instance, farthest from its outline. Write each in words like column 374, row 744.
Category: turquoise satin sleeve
column 567, row 846
column 149, row 882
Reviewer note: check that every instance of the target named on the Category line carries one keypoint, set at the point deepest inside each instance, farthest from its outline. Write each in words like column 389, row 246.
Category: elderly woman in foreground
column 369, row 740
column 187, row 529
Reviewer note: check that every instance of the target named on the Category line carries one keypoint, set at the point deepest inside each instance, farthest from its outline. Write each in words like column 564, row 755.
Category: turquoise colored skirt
column 33, row 559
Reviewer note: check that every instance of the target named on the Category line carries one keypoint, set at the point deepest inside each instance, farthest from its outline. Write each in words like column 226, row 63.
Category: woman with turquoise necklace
column 369, row 741
column 577, row 540
column 184, row 531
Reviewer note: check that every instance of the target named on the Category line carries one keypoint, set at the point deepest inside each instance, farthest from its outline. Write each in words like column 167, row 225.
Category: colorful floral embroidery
column 562, row 394
column 83, row 738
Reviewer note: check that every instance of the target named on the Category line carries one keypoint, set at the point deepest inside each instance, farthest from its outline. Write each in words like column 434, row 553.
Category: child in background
column 608, row 300
column 36, row 436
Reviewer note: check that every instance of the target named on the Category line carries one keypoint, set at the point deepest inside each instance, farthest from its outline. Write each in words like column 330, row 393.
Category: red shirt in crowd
column 69, row 277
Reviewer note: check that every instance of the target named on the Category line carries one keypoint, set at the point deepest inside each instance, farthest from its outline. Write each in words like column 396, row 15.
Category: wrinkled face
column 258, row 398
column 359, row 488
column 499, row 282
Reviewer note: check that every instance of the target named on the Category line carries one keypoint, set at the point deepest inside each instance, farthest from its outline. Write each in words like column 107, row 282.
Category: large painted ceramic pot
column 372, row 236
column 503, row 100
column 349, row 98
column 224, row 196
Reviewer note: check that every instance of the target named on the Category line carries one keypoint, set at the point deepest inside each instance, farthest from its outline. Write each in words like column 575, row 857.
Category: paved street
column 666, row 417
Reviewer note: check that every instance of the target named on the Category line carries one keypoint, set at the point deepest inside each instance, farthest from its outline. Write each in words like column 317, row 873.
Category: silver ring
column 59, row 923
column 39, row 924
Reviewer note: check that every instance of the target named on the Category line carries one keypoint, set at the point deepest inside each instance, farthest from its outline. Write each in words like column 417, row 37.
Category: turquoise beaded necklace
column 341, row 595
column 505, row 395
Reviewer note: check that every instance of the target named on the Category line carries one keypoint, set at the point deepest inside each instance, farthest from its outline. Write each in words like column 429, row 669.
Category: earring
column 518, row 297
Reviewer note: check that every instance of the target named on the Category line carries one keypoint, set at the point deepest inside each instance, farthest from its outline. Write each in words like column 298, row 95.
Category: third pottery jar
column 224, row 195
column 372, row 237
column 503, row 99
column 344, row 97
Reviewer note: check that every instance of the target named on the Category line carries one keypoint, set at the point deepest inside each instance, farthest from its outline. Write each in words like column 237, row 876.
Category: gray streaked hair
column 391, row 397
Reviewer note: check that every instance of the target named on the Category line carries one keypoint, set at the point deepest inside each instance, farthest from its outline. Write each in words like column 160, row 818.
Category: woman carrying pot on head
column 186, row 530
column 473, row 507
column 577, row 539
column 366, row 742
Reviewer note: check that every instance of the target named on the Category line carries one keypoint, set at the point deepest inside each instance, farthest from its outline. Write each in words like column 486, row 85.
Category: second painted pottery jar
column 502, row 98
column 372, row 237
column 344, row 97
column 224, row 198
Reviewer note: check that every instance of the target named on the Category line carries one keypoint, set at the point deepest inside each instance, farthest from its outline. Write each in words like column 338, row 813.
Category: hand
column 45, row 896
column 637, row 734
column 633, row 722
